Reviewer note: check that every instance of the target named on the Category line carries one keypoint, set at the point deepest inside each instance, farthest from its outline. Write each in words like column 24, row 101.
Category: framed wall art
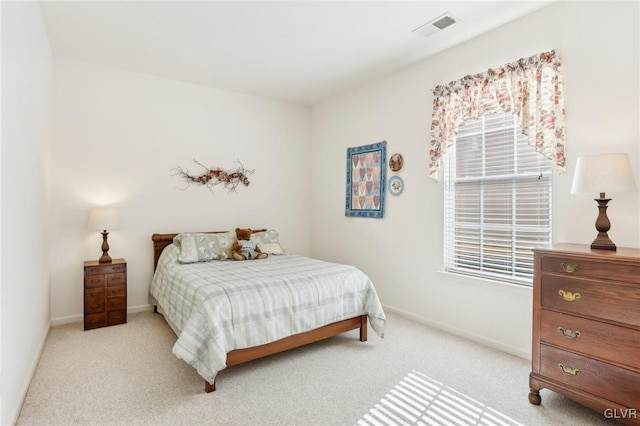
column 396, row 162
column 366, row 166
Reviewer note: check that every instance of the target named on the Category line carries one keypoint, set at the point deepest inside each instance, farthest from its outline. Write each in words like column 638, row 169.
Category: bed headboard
column 160, row 241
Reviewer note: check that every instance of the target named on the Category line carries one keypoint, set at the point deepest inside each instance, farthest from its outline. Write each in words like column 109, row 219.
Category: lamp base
column 105, row 258
column 602, row 242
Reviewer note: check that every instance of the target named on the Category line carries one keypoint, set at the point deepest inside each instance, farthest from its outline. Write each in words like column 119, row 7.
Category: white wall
column 118, row 135
column 598, row 43
column 27, row 86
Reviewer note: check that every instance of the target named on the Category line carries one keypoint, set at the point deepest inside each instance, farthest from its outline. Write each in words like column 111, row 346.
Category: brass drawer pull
column 568, row 370
column 568, row 268
column 568, row 333
column 568, row 296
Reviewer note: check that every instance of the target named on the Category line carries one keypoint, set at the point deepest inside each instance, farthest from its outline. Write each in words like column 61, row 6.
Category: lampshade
column 603, row 173
column 103, row 218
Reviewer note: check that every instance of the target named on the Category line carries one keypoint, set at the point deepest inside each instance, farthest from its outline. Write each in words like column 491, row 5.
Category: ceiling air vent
column 436, row 25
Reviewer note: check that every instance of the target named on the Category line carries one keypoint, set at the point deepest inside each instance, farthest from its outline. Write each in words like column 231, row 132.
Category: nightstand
column 105, row 293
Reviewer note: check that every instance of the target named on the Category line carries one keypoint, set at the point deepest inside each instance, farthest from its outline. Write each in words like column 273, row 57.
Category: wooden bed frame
column 239, row 356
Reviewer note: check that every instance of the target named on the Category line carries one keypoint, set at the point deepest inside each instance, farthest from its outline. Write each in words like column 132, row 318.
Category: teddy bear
column 244, row 247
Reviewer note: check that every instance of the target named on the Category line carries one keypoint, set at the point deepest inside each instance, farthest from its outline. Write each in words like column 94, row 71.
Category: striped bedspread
column 218, row 306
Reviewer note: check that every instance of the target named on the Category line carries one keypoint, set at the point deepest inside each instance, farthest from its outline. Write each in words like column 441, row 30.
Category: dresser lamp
column 602, row 174
column 101, row 219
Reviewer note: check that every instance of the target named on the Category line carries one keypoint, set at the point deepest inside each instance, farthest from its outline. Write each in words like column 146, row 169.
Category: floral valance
column 530, row 88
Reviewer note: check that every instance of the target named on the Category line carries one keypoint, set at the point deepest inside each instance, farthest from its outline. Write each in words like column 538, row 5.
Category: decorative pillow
column 268, row 241
column 197, row 247
column 225, row 241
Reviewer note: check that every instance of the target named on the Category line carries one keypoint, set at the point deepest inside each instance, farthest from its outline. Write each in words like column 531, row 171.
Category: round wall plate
column 395, row 185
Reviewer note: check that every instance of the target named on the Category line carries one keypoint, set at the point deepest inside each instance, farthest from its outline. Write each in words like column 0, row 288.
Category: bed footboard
column 241, row 356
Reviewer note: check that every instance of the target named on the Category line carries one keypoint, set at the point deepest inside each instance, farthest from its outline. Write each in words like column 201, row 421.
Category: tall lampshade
column 102, row 219
column 599, row 174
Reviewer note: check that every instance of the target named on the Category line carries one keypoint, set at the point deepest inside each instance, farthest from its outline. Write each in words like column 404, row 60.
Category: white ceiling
column 300, row 52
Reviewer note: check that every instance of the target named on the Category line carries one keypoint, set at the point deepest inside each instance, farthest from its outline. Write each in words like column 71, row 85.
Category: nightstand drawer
column 601, row 299
column 105, row 269
column 94, row 321
column 592, row 269
column 116, row 303
column 116, row 279
column 591, row 338
column 93, row 281
column 94, row 301
column 119, row 291
column 589, row 375
column 117, row 317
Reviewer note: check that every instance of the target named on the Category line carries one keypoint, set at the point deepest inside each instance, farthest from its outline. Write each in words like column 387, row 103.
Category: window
column 497, row 201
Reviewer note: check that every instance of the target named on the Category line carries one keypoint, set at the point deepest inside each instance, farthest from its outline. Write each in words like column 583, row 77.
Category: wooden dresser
column 105, row 293
column 586, row 328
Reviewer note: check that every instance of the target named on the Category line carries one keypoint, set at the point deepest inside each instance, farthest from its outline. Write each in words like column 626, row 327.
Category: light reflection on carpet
column 420, row 400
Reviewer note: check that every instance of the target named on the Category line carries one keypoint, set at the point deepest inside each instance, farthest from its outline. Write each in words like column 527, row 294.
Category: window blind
column 497, row 201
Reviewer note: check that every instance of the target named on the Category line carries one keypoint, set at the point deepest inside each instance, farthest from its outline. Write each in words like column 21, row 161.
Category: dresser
column 105, row 293
column 586, row 328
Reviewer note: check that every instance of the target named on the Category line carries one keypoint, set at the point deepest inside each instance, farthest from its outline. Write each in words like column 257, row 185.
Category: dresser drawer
column 619, row 271
column 94, row 301
column 116, row 279
column 105, row 269
column 591, row 338
column 601, row 299
column 94, row 321
column 117, row 317
column 589, row 375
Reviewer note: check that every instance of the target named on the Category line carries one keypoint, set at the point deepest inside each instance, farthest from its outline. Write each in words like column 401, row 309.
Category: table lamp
column 101, row 219
column 602, row 174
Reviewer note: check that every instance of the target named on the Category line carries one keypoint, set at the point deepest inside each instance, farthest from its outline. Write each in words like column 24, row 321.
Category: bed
column 228, row 312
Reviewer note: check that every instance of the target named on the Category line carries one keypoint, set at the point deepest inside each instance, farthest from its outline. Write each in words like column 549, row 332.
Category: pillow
column 197, row 247
column 268, row 241
column 225, row 241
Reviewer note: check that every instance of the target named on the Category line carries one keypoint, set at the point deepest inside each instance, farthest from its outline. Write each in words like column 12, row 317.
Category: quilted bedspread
column 218, row 306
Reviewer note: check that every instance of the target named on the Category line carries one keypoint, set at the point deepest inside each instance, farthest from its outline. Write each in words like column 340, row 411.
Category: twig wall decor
column 230, row 179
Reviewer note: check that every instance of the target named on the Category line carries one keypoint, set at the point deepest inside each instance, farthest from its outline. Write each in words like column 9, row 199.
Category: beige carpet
column 126, row 374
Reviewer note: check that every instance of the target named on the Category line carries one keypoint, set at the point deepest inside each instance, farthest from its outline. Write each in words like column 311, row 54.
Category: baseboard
column 80, row 318
column 66, row 320
column 140, row 308
column 32, row 372
column 462, row 333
